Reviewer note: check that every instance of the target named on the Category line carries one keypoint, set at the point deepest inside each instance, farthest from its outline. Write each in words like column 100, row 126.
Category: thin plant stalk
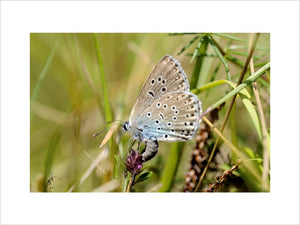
column 244, row 70
column 266, row 147
column 199, row 61
column 108, row 113
column 220, row 52
column 234, row 149
column 130, row 183
column 171, row 167
column 235, row 91
column 43, row 73
column 87, row 75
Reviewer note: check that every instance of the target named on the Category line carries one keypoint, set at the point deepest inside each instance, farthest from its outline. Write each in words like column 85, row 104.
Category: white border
column 18, row 19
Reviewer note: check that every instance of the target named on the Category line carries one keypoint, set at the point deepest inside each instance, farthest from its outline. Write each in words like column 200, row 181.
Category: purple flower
column 134, row 162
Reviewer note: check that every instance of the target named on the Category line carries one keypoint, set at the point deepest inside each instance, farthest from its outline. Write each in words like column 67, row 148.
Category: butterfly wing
column 167, row 76
column 173, row 117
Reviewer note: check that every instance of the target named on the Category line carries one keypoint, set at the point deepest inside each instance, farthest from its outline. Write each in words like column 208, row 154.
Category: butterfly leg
column 132, row 144
column 150, row 150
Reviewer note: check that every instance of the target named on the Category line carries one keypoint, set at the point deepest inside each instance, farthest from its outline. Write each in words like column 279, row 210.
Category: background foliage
column 79, row 82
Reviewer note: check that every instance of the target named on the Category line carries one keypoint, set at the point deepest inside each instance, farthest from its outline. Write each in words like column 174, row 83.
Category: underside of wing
column 167, row 76
column 173, row 117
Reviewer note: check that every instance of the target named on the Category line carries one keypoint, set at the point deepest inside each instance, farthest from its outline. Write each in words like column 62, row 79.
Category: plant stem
column 130, row 184
column 234, row 149
column 43, row 73
column 107, row 109
column 244, row 70
column 266, row 146
column 171, row 167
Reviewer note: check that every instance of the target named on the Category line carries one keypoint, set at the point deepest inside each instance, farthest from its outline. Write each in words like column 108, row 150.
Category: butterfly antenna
column 114, row 121
column 95, row 135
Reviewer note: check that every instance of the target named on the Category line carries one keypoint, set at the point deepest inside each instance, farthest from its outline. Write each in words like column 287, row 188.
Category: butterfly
column 165, row 109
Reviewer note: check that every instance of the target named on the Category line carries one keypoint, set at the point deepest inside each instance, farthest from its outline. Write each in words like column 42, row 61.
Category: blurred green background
column 68, row 104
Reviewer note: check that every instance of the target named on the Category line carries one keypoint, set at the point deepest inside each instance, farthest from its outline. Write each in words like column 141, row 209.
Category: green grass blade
column 203, row 55
column 107, row 109
column 230, row 37
column 196, row 50
column 52, row 147
column 43, row 73
column 208, row 86
column 188, row 44
column 249, row 80
column 199, row 62
column 235, row 60
column 245, row 96
column 248, row 165
column 244, row 54
column 219, row 54
column 213, row 76
column 171, row 166
column 233, row 130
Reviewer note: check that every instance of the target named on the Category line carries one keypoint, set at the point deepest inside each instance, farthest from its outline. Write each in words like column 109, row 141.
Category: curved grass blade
column 234, row 60
column 188, row 44
column 197, row 49
column 245, row 54
column 52, row 147
column 230, row 37
column 199, row 62
column 245, row 96
column 250, row 168
column 170, row 169
column 43, row 72
column 248, row 81
column 107, row 109
column 220, row 55
column 108, row 135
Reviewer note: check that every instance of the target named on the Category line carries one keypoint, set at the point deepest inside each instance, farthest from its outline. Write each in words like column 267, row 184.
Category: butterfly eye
column 125, row 126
